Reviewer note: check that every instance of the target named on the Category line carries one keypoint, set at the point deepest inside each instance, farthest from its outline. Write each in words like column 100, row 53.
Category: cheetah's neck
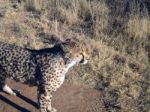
column 70, row 64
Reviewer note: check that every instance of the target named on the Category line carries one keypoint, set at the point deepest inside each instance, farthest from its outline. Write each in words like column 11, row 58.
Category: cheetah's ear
column 64, row 47
column 68, row 44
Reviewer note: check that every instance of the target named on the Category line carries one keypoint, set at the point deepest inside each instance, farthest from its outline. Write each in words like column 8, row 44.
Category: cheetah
column 44, row 68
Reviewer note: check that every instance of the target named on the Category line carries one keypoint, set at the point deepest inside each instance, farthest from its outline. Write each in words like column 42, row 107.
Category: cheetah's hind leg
column 3, row 86
column 8, row 90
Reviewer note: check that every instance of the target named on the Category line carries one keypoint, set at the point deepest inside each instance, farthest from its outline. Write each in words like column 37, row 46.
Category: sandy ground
column 68, row 98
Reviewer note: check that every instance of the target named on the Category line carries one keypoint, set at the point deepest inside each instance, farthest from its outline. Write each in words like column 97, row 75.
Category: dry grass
column 138, row 27
column 119, row 63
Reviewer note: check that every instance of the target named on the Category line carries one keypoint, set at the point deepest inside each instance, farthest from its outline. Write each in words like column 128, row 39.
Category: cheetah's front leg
column 49, row 106
column 45, row 104
column 53, row 86
column 45, row 98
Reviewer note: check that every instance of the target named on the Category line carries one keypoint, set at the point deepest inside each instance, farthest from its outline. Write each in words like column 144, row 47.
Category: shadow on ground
column 68, row 98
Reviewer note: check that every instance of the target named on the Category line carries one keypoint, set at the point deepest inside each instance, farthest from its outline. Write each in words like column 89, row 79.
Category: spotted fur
column 45, row 68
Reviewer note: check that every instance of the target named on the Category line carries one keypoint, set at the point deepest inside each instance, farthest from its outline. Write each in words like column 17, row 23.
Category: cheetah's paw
column 52, row 110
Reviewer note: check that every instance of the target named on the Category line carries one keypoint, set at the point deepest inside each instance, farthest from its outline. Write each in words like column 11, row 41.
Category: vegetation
column 117, row 31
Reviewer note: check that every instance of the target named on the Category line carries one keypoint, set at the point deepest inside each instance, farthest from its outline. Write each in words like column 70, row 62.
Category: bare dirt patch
column 68, row 98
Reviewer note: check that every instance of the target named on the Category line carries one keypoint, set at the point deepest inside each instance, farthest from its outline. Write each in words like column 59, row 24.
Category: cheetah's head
column 76, row 51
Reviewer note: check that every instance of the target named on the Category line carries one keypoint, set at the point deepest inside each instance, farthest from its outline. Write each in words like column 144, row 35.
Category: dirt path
column 68, row 98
